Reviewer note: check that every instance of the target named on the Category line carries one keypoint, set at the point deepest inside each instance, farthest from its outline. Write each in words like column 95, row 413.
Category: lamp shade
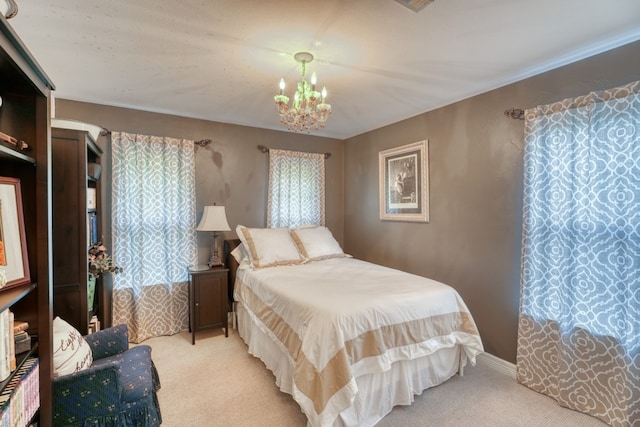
column 213, row 218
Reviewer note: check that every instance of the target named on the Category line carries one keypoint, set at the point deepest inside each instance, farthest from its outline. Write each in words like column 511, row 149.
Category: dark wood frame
column 19, row 217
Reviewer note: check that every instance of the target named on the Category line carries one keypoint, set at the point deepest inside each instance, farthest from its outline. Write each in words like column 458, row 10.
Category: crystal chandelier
column 308, row 110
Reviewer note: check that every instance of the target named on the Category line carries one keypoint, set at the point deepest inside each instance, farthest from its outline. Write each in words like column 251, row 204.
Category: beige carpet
column 217, row 383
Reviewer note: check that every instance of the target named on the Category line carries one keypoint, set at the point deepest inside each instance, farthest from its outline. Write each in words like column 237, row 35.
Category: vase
column 91, row 293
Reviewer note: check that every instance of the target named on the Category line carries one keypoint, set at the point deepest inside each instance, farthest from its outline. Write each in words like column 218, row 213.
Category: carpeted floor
column 217, row 383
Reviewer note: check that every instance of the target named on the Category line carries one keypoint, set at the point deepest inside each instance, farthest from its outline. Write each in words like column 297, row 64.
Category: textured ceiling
column 381, row 62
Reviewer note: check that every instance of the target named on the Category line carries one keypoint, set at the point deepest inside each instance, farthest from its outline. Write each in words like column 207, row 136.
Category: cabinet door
column 73, row 222
column 210, row 301
column 69, row 227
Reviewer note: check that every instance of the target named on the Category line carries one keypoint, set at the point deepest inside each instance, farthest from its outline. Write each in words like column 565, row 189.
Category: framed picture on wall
column 404, row 183
column 13, row 242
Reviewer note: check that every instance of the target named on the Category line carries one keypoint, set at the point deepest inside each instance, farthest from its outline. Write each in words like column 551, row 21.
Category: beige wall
column 231, row 171
column 473, row 239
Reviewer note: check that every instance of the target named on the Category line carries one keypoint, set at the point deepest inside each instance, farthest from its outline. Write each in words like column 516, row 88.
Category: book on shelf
column 21, row 338
column 20, row 399
column 19, row 326
column 12, row 343
column 94, row 324
column 6, row 336
column 22, row 342
column 93, row 227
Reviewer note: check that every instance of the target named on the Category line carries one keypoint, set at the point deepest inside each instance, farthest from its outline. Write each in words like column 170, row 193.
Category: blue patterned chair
column 119, row 389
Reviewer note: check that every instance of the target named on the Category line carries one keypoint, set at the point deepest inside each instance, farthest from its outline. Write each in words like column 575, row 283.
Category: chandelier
column 308, row 110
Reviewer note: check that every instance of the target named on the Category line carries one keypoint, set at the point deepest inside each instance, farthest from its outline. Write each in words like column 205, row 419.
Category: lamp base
column 214, row 263
column 215, row 260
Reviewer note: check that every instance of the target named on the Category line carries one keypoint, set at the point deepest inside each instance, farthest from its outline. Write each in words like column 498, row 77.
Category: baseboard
column 497, row 364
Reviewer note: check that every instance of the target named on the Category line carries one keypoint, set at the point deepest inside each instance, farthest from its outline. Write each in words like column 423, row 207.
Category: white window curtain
column 579, row 329
column 296, row 189
column 153, row 232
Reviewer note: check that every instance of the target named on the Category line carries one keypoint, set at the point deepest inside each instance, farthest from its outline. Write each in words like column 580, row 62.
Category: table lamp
column 214, row 219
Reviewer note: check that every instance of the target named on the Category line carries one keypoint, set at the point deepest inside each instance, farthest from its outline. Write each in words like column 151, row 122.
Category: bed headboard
column 231, row 263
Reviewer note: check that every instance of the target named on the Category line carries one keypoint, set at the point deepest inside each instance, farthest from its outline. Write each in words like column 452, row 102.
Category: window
column 296, row 189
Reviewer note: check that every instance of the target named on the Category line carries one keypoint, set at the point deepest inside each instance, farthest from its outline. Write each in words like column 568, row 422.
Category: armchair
column 118, row 389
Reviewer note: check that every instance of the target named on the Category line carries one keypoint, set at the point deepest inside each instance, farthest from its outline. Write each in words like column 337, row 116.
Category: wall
column 473, row 239
column 231, row 171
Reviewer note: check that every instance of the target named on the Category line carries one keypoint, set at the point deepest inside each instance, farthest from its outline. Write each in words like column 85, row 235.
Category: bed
column 348, row 339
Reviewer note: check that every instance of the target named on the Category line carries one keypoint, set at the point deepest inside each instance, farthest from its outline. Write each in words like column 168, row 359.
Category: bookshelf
column 76, row 208
column 24, row 114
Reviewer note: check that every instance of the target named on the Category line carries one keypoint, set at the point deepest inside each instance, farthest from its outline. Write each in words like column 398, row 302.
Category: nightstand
column 208, row 300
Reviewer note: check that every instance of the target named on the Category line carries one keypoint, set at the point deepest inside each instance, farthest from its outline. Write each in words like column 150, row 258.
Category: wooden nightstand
column 208, row 300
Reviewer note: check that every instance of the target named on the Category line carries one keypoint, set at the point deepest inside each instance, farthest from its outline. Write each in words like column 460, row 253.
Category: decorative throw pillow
column 71, row 353
column 269, row 247
column 317, row 243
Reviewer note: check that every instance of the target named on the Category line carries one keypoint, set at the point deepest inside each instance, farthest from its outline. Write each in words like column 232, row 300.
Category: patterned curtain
column 579, row 329
column 154, row 236
column 296, row 189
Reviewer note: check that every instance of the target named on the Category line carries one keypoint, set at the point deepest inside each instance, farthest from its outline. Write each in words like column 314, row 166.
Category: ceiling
column 221, row 60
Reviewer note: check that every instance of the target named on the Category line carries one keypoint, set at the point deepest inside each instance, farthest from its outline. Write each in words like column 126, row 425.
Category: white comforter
column 342, row 318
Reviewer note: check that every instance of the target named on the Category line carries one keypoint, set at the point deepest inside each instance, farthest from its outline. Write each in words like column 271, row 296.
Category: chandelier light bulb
column 305, row 112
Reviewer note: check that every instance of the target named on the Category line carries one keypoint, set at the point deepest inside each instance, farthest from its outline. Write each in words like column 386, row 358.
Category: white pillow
column 240, row 254
column 317, row 243
column 269, row 247
column 71, row 353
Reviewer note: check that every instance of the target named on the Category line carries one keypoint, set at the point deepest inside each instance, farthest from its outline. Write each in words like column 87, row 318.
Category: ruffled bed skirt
column 377, row 393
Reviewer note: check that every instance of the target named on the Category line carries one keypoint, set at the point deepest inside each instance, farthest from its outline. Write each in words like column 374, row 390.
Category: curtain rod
column 266, row 150
column 515, row 113
column 202, row 143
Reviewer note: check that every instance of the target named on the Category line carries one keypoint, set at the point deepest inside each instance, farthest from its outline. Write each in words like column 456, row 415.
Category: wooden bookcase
column 25, row 113
column 71, row 152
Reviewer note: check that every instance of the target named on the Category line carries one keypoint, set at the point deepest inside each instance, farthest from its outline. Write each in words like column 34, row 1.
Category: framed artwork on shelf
column 13, row 243
column 404, row 183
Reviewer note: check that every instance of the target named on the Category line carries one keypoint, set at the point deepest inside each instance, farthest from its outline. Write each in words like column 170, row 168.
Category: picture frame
column 404, row 183
column 13, row 241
